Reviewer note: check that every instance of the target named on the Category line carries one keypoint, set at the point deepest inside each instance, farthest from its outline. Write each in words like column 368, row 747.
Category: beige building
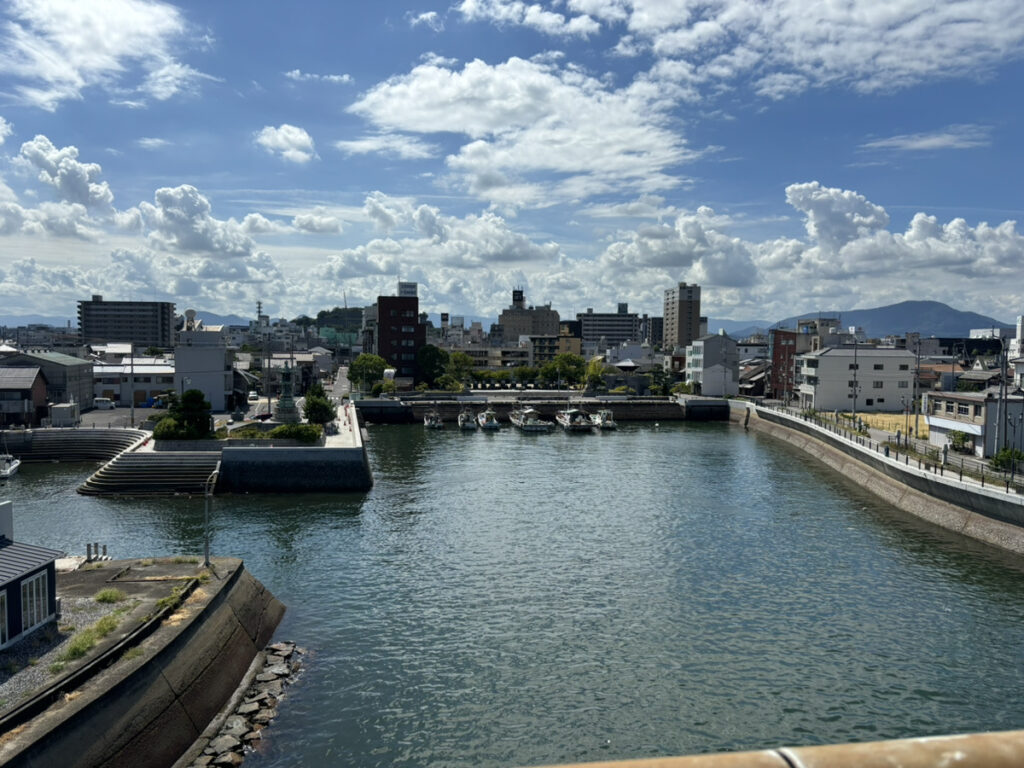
column 520, row 320
column 682, row 316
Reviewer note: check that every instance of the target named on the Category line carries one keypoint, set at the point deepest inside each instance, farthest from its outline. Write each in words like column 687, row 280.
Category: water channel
column 508, row 599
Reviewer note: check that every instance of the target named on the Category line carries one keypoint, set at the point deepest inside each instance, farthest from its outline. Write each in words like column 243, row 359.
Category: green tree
column 316, row 389
column 524, row 374
column 318, row 410
column 153, row 352
column 449, row 383
column 190, row 415
column 432, row 362
column 682, row 388
column 594, row 376
column 366, row 369
column 459, row 366
column 570, row 367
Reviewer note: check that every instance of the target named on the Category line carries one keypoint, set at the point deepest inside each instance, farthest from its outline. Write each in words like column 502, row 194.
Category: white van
column 104, row 403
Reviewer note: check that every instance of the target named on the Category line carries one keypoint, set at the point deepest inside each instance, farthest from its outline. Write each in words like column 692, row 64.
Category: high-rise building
column 520, row 320
column 400, row 334
column 143, row 323
column 613, row 327
column 682, row 316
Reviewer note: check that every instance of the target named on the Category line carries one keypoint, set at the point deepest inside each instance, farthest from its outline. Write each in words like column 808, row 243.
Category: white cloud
column 288, row 142
column 534, row 15
column 394, row 144
column 6, row 129
column 953, row 137
column 306, row 77
column 318, row 221
column 153, row 143
column 180, row 220
column 429, row 19
column 538, row 133
column 54, row 50
column 73, row 180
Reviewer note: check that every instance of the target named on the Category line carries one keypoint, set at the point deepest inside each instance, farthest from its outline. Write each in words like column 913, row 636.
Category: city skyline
column 786, row 156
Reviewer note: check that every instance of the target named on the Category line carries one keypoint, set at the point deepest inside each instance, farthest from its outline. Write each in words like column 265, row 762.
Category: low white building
column 712, row 366
column 856, row 378
column 979, row 416
column 133, row 380
column 202, row 361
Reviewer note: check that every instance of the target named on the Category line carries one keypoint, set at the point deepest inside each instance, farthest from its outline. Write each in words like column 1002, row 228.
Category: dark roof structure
column 18, row 559
column 18, row 378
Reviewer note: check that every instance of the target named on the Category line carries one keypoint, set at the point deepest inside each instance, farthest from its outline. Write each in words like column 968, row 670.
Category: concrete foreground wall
column 294, row 470
column 985, row 514
column 147, row 711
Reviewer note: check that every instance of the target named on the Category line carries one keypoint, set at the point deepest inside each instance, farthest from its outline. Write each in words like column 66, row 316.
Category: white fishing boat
column 8, row 465
column 603, row 419
column 488, row 419
column 432, row 420
column 529, row 420
column 467, row 420
column 573, row 420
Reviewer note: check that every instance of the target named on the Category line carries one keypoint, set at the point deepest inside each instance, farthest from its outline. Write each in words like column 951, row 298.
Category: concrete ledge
column 150, row 709
column 1003, row 749
column 294, row 470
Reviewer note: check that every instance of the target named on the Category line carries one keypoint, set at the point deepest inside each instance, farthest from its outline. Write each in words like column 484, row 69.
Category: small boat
column 573, row 420
column 603, row 419
column 432, row 420
column 488, row 419
column 8, row 465
column 529, row 420
column 467, row 420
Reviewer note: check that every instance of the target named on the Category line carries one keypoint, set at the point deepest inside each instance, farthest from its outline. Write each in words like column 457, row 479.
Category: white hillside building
column 856, row 378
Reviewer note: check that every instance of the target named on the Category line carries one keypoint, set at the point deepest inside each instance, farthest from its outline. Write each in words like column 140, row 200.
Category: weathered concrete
column 147, row 709
column 984, row 514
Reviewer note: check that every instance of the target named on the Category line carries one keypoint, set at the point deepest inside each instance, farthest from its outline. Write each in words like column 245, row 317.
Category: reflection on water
column 504, row 599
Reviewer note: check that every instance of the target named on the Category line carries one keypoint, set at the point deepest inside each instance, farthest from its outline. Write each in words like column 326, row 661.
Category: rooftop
column 18, row 378
column 17, row 559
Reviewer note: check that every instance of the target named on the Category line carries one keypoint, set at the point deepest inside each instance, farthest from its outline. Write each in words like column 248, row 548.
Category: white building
column 856, row 378
column 133, row 380
column 202, row 361
column 977, row 415
column 712, row 366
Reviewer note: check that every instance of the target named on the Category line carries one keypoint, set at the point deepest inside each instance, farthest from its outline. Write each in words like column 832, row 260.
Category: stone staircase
column 42, row 445
column 147, row 473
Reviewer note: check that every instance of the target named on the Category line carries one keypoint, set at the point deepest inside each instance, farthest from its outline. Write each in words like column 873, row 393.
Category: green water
column 508, row 599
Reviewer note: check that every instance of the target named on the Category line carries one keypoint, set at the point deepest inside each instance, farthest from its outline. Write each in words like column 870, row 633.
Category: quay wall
column 986, row 514
column 294, row 469
column 149, row 711
column 635, row 409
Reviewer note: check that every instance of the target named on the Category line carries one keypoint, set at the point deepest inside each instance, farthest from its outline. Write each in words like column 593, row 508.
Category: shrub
column 304, row 433
column 1007, row 457
column 110, row 595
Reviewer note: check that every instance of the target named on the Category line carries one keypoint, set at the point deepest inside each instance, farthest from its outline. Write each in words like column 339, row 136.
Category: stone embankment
column 242, row 725
column 632, row 409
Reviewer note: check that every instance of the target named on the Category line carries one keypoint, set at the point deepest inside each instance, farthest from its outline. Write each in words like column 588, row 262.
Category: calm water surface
column 508, row 599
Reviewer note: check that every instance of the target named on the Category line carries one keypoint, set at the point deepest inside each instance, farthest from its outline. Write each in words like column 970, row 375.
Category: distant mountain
column 929, row 318
column 209, row 318
column 14, row 321
column 739, row 329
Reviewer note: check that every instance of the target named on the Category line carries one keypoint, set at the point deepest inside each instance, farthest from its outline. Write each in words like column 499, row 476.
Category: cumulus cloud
column 534, row 15
column 5, row 130
column 318, row 221
column 288, row 142
column 429, row 19
column 54, row 50
column 74, row 181
column 307, row 77
column 537, row 134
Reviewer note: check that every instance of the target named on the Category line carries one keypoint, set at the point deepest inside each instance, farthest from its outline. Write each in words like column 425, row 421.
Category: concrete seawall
column 148, row 707
column 294, row 470
column 985, row 514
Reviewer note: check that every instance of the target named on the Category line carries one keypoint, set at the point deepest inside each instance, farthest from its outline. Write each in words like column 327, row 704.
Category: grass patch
column 57, row 667
column 86, row 639
column 132, row 653
column 110, row 595
column 185, row 560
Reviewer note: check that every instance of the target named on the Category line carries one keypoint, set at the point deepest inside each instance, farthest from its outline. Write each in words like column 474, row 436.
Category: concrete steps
column 42, row 445
column 149, row 473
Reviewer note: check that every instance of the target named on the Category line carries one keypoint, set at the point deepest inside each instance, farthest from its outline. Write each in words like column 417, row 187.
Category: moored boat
column 8, row 465
column 466, row 419
column 573, row 420
column 603, row 419
column 432, row 420
column 488, row 419
column 529, row 420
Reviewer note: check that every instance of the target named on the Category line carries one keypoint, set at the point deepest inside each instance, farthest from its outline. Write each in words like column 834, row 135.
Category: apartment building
column 712, row 366
column 682, row 318
column 855, row 378
column 143, row 323
column 614, row 327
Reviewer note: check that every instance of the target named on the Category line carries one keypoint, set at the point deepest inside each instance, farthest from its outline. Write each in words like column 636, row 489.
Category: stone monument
column 285, row 411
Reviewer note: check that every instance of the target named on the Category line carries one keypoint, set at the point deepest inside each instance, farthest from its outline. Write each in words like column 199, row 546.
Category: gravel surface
column 25, row 666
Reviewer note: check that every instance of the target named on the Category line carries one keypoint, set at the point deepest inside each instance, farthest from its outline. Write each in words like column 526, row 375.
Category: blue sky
column 786, row 155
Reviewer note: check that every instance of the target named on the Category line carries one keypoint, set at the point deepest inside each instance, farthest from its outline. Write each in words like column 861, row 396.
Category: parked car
column 104, row 403
column 253, row 396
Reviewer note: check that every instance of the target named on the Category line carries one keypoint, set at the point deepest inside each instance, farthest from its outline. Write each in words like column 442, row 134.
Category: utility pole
column 855, row 382
column 917, row 374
